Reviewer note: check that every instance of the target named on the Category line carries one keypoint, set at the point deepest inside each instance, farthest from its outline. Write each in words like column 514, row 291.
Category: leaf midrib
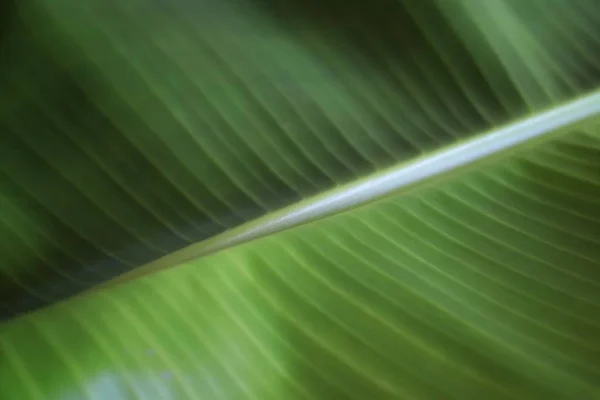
column 402, row 177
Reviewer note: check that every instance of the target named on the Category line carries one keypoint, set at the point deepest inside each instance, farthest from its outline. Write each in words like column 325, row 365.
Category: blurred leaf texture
column 136, row 130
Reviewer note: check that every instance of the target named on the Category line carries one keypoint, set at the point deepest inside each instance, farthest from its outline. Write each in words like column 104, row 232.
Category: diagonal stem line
column 402, row 177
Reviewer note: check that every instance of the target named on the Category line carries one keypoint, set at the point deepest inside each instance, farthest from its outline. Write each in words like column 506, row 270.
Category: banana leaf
column 481, row 284
column 345, row 206
column 133, row 128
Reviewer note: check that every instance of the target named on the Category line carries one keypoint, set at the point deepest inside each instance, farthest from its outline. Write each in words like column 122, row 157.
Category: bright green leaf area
column 483, row 286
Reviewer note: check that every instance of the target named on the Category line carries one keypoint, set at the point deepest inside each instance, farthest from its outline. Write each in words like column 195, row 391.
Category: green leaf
column 484, row 285
column 135, row 128
column 353, row 217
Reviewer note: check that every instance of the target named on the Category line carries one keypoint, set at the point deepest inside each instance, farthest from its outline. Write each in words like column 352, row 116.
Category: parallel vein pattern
column 133, row 128
column 485, row 286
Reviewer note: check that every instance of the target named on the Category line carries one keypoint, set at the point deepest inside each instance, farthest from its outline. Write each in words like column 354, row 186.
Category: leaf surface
column 134, row 128
column 484, row 285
